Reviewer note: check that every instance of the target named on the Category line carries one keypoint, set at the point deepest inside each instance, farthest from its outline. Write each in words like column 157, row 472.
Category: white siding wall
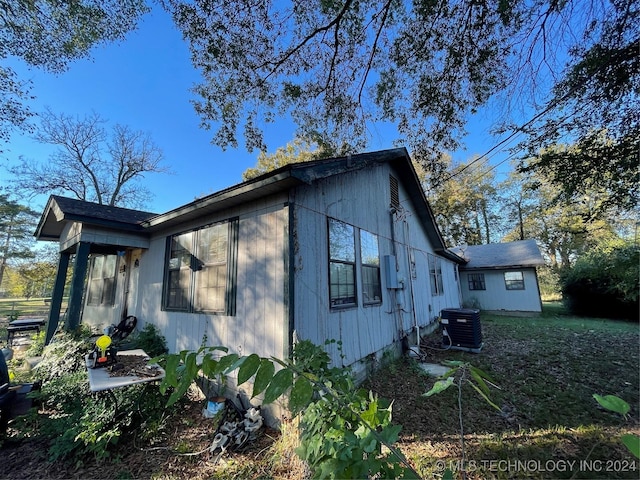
column 362, row 198
column 74, row 233
column 261, row 321
column 496, row 297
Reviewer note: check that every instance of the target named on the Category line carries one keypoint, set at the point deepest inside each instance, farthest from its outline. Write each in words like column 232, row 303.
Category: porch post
column 56, row 295
column 74, row 309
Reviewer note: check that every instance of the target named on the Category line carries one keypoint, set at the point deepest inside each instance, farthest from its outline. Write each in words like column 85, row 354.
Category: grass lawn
column 550, row 426
column 22, row 307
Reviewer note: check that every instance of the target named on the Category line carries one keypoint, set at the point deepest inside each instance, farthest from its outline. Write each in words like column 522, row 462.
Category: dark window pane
column 342, row 284
column 371, row 288
column 476, row 281
column 179, row 272
column 211, row 276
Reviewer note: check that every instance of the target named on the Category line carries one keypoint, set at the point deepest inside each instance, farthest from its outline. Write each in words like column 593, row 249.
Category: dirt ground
column 28, row 459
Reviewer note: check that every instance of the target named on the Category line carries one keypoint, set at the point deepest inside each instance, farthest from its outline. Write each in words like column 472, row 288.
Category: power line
column 521, row 129
column 512, row 155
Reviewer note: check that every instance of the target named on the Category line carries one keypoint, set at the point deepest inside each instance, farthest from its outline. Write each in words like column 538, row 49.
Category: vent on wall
column 395, row 195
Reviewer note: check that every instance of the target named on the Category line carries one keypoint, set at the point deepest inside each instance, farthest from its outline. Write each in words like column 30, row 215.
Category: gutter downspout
column 411, row 269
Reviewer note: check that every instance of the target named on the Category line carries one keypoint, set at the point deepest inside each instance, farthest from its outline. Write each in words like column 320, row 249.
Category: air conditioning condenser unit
column 461, row 329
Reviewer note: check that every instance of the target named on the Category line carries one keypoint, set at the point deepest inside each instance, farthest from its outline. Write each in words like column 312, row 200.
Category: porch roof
column 60, row 210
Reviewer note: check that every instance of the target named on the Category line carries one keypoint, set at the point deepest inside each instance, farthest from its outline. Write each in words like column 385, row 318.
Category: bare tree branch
column 88, row 164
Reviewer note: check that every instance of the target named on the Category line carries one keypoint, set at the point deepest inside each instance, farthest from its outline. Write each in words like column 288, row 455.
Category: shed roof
column 522, row 253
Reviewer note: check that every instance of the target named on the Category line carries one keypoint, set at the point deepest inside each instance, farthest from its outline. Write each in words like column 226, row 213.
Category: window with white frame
column 370, row 259
column 102, row 280
column 514, row 280
column 200, row 270
column 435, row 275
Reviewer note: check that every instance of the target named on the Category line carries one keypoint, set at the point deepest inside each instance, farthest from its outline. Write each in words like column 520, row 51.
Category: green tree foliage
column 605, row 281
column 564, row 228
column 17, row 224
column 50, row 34
column 90, row 163
column 596, row 165
column 32, row 276
column 14, row 114
column 464, row 204
column 296, row 151
column 30, row 279
column 596, row 108
column 39, row 277
column 519, row 200
column 337, row 66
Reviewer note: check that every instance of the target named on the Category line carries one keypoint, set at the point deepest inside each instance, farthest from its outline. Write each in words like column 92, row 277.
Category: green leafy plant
column 37, row 345
column 343, row 429
column 605, row 281
column 618, row 405
column 150, row 340
column 64, row 355
column 84, row 423
column 459, row 374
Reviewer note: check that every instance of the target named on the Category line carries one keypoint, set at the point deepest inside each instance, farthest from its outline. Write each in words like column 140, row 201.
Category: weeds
column 548, row 369
column 81, row 424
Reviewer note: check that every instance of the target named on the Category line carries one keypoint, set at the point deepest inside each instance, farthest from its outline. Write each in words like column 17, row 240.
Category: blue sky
column 143, row 82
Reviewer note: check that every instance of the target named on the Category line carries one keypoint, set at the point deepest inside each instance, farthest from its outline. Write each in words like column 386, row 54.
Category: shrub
column 604, row 282
column 345, row 432
column 37, row 345
column 82, row 423
column 150, row 340
column 64, row 355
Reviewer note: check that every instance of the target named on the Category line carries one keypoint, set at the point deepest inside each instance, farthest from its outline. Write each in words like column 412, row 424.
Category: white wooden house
column 501, row 277
column 343, row 248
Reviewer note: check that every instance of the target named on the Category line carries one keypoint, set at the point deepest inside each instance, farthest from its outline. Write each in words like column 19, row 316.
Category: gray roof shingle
column 522, row 253
column 80, row 209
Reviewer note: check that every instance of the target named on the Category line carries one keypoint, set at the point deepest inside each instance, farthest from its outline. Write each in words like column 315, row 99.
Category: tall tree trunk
column 485, row 219
column 5, row 251
column 520, row 220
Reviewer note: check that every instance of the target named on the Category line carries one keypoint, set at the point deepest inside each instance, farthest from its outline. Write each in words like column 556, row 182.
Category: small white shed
column 501, row 277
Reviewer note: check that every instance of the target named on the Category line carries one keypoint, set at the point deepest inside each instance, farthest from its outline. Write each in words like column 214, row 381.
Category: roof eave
column 223, row 199
column 503, row 267
column 451, row 256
